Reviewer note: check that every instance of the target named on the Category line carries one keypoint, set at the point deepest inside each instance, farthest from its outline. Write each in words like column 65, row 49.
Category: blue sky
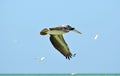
column 22, row 20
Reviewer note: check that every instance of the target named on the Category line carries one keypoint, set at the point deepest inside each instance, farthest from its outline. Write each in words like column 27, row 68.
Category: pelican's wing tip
column 70, row 56
column 44, row 31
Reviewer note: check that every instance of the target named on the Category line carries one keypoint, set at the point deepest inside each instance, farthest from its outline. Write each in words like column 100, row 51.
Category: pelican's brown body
column 57, row 39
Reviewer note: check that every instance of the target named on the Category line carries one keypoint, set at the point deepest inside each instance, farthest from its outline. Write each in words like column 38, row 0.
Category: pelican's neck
column 56, row 32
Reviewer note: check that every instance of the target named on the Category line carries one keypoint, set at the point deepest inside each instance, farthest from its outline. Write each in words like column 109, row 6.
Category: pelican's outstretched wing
column 44, row 31
column 60, row 44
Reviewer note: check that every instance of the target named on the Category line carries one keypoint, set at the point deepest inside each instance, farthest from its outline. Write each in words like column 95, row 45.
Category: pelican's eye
column 72, row 28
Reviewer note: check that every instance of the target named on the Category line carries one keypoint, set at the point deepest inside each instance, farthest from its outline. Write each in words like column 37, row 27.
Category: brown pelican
column 57, row 39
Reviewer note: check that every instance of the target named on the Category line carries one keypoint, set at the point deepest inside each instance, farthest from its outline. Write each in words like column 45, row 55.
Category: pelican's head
column 68, row 28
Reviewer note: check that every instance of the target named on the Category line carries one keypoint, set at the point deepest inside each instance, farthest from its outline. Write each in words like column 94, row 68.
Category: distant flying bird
column 57, row 39
column 96, row 36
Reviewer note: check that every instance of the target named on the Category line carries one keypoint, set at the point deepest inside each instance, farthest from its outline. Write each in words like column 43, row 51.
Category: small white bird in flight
column 57, row 40
column 96, row 36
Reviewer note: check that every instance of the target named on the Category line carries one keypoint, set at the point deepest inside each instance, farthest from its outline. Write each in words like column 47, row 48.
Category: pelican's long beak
column 77, row 31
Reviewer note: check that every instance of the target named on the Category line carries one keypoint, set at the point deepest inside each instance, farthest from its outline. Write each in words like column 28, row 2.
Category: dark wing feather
column 59, row 43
